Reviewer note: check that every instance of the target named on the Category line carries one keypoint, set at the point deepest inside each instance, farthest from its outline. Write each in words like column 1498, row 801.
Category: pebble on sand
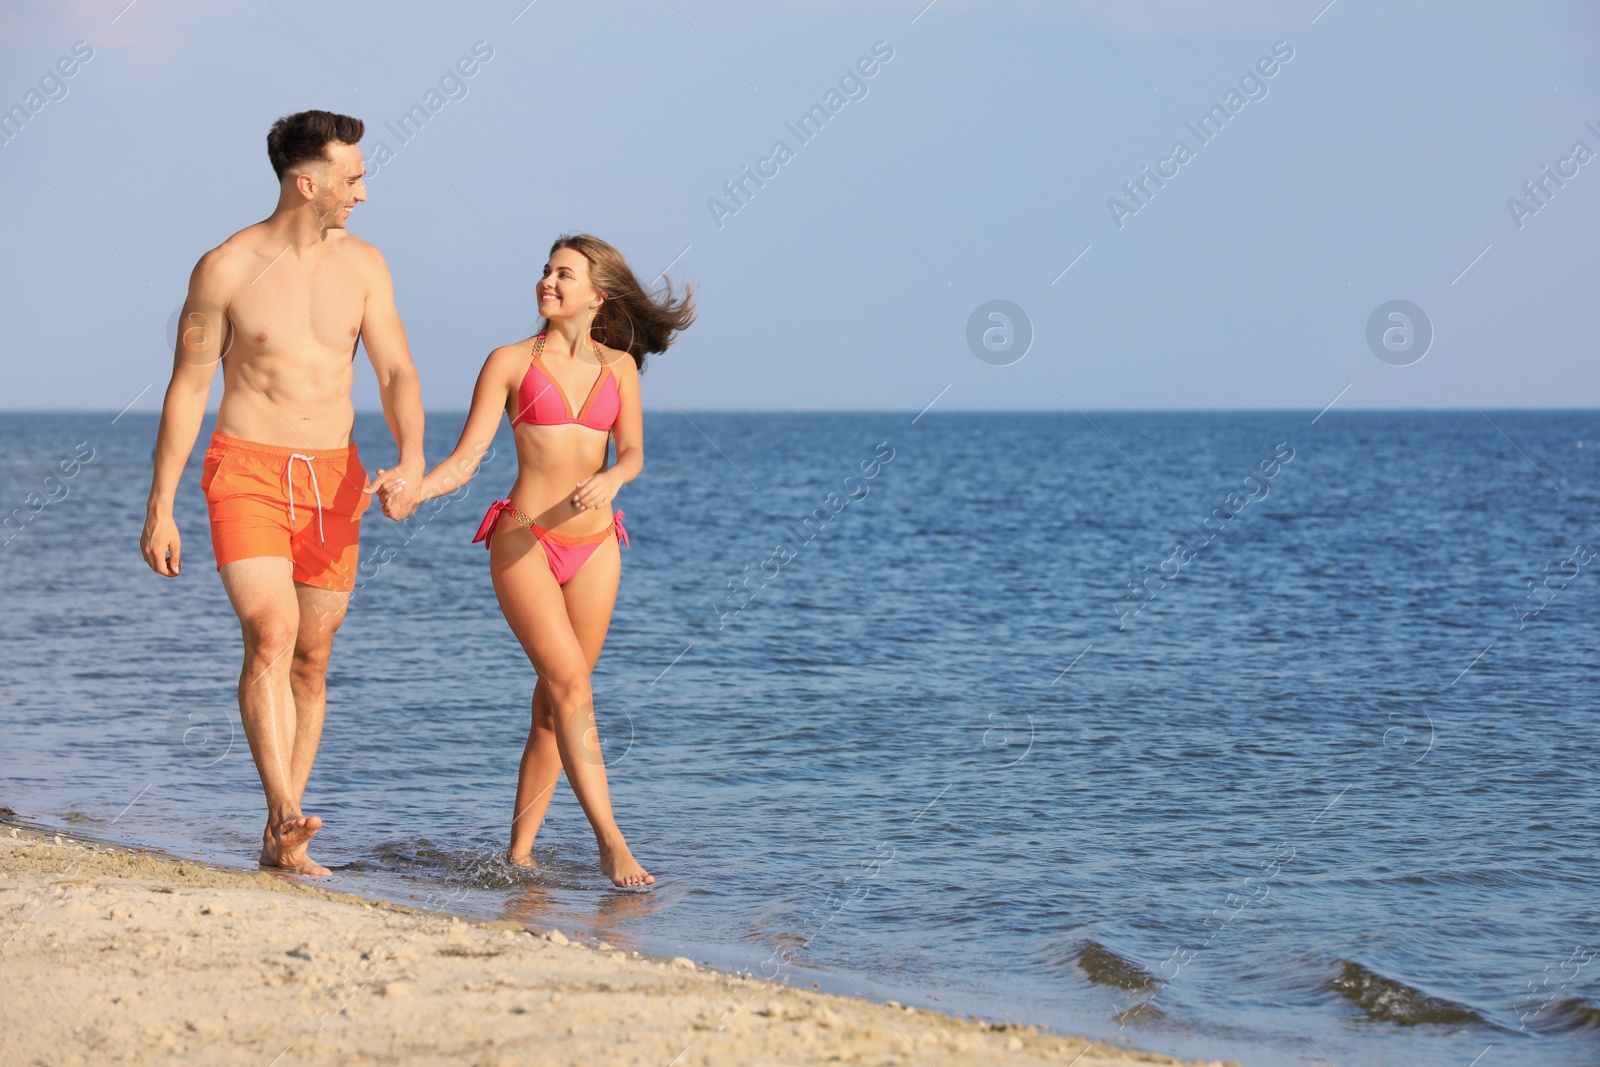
column 682, row 963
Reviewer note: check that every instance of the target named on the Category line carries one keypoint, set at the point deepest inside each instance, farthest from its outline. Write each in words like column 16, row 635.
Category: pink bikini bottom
column 567, row 555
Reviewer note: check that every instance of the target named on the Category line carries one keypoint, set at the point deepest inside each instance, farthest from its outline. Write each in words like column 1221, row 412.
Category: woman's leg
column 537, row 776
column 590, row 595
column 540, row 770
column 541, row 614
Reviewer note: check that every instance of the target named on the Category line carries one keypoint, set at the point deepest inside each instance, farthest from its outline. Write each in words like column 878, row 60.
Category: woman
column 553, row 543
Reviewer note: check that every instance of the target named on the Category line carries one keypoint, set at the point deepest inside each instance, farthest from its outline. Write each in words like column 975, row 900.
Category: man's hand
column 398, row 489
column 161, row 545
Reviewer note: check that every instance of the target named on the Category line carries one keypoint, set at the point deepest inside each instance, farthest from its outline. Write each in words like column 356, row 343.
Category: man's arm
column 202, row 340
column 399, row 487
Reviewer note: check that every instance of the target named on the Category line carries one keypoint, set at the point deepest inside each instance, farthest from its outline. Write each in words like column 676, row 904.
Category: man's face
column 338, row 185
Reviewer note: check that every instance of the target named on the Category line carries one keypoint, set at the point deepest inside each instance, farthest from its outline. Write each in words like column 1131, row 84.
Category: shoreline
column 111, row 952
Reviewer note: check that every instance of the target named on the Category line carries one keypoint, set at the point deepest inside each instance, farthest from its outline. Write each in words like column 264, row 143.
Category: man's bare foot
column 618, row 864
column 285, row 846
column 524, row 860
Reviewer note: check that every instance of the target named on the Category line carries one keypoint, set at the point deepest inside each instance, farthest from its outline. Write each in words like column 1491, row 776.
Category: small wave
column 1104, row 967
column 484, row 869
column 1387, row 1000
column 1145, row 1013
column 1565, row 1016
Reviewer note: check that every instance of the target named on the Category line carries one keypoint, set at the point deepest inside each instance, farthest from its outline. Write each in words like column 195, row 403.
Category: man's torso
column 289, row 357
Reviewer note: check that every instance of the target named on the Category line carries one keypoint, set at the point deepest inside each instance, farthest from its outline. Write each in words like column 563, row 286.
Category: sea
column 1266, row 736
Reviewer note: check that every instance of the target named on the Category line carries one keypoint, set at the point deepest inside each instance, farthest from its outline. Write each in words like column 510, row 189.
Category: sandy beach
column 111, row 955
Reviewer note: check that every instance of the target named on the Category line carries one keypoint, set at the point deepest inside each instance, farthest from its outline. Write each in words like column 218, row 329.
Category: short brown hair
column 305, row 136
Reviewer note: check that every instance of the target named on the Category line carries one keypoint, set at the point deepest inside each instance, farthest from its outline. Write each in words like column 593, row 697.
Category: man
column 281, row 305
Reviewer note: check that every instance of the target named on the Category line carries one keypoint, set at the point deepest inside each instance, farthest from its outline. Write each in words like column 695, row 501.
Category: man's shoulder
column 361, row 257
column 235, row 255
column 348, row 244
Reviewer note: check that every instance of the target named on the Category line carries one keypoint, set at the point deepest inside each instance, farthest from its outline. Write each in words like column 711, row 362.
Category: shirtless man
column 281, row 305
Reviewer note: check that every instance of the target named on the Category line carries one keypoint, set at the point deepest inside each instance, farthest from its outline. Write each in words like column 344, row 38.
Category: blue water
column 1329, row 793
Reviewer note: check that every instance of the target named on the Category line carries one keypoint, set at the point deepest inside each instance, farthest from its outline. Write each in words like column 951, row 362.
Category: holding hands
column 398, row 489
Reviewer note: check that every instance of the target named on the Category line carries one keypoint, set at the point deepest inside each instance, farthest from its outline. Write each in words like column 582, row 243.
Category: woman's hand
column 596, row 491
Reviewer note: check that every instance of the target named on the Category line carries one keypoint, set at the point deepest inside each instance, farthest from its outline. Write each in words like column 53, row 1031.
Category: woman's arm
column 600, row 488
column 503, row 367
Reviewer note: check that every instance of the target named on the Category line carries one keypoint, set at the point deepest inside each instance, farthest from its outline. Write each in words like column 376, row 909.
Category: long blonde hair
column 630, row 319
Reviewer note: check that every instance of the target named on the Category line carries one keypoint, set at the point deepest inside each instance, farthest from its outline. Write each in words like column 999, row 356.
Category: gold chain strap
column 538, row 347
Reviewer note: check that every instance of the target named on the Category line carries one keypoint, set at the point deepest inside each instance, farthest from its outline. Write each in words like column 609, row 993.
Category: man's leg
column 321, row 612
column 262, row 592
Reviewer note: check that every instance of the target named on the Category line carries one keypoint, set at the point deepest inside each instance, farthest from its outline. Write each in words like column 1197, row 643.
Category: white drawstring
column 289, row 473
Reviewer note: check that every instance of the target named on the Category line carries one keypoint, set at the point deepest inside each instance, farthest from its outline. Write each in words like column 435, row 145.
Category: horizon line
column 903, row 411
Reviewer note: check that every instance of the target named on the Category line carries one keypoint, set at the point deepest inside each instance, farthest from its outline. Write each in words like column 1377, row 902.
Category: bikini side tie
column 486, row 527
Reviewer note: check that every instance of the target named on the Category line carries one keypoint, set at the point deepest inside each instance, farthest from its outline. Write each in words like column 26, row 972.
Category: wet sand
column 111, row 955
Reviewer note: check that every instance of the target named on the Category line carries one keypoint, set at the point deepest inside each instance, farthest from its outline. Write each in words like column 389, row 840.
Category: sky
column 984, row 159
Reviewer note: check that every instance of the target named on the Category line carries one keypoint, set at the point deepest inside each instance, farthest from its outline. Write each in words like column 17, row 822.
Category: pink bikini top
column 541, row 402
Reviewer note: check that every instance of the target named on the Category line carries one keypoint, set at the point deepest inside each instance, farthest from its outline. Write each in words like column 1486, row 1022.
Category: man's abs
column 253, row 414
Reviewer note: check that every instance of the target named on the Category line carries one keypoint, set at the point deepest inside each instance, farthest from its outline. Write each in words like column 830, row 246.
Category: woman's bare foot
column 618, row 864
column 284, row 846
column 524, row 860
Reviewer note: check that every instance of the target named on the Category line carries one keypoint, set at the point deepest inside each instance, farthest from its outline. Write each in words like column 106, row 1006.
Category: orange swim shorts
column 304, row 505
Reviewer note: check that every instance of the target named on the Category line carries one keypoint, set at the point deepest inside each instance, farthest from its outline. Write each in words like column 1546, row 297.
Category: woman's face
column 565, row 290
